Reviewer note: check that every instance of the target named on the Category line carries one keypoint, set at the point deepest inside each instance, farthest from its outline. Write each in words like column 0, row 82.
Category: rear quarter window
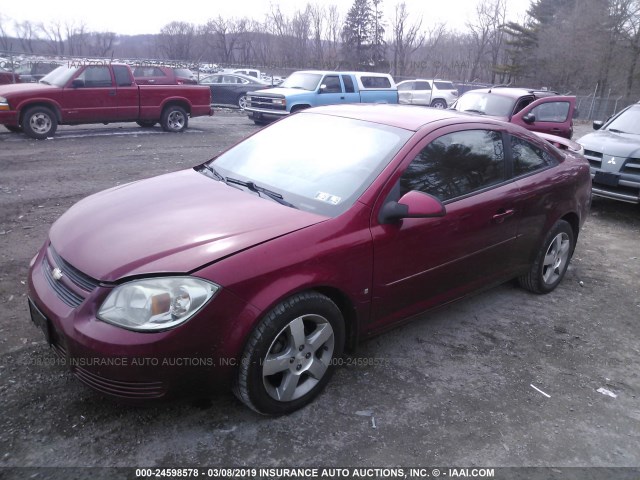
column 375, row 82
column 528, row 157
column 444, row 85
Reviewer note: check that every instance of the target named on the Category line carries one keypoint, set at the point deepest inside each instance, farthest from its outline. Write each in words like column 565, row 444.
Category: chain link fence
column 590, row 107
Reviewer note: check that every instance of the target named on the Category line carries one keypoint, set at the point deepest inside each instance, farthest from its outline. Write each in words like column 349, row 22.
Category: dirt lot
column 455, row 388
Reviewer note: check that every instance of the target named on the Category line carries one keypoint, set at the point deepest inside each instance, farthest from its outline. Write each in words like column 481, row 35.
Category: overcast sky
column 135, row 16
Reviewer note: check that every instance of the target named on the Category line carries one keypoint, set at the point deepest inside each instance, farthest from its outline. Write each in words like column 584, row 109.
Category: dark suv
column 537, row 110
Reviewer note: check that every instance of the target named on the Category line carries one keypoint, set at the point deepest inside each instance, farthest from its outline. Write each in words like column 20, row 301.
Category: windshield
column 60, row 76
column 305, row 81
column 485, row 103
column 627, row 122
column 318, row 163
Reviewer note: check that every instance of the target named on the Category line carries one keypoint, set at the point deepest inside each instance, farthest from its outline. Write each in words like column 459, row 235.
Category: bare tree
column 27, row 35
column 318, row 16
column 77, row 37
column 631, row 35
column 407, row 38
column 487, row 35
column 100, row 44
column 176, row 40
column 222, row 36
column 5, row 42
column 334, row 22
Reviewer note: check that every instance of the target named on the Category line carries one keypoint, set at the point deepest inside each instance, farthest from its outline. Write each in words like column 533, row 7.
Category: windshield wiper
column 214, row 172
column 255, row 188
column 476, row 111
column 615, row 130
column 45, row 82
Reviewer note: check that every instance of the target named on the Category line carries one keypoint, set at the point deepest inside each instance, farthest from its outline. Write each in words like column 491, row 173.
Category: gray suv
column 614, row 155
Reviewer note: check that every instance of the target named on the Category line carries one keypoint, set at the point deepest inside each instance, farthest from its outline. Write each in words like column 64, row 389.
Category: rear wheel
column 439, row 104
column 289, row 357
column 552, row 260
column 174, row 119
column 39, row 122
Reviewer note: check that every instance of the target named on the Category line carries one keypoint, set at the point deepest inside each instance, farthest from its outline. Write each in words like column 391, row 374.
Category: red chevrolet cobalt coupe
column 258, row 268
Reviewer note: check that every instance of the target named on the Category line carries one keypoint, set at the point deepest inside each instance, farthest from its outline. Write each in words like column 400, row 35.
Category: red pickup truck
column 75, row 94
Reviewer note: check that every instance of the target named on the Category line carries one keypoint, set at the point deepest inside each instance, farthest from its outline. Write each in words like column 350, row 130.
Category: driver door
column 419, row 263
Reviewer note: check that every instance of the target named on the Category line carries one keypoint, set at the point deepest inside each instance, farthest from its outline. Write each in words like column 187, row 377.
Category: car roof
column 237, row 74
column 514, row 92
column 426, row 80
column 343, row 72
column 408, row 117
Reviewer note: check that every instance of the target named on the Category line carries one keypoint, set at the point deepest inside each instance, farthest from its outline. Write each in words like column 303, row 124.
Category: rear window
column 375, row 82
column 444, row 85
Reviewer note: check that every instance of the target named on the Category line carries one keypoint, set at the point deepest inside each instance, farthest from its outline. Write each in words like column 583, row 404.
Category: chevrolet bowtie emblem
column 56, row 273
column 612, row 161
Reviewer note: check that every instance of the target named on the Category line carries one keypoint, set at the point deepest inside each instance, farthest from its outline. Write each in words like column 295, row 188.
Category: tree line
column 568, row 45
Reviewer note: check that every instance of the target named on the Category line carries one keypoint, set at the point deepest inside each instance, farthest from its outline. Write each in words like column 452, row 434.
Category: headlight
column 4, row 104
column 279, row 101
column 156, row 303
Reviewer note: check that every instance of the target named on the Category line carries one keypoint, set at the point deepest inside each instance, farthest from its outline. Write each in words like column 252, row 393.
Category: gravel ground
column 455, row 387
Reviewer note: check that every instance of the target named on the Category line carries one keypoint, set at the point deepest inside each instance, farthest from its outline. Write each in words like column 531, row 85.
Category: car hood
column 174, row 223
column 614, row 144
column 285, row 92
column 31, row 88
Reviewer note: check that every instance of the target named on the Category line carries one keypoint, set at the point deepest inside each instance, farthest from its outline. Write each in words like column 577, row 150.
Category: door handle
column 112, row 93
column 502, row 214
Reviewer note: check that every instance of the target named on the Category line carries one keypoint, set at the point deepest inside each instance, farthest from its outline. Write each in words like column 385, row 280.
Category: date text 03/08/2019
column 323, row 473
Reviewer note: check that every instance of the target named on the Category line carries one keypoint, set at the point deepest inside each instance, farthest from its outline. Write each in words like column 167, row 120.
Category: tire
column 13, row 129
column 242, row 101
column 298, row 108
column 147, row 123
column 174, row 119
column 39, row 122
column 289, row 357
column 439, row 104
column 552, row 260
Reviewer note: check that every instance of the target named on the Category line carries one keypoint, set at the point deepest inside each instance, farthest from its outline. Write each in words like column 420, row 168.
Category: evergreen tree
column 363, row 35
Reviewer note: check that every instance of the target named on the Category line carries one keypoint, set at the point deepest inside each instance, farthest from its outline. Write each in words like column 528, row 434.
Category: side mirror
column 77, row 83
column 323, row 87
column 413, row 204
column 597, row 124
column 529, row 118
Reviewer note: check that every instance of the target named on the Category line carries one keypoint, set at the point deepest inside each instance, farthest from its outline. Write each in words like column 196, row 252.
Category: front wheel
column 174, row 119
column 439, row 104
column 242, row 102
column 552, row 260
column 39, row 123
column 290, row 356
